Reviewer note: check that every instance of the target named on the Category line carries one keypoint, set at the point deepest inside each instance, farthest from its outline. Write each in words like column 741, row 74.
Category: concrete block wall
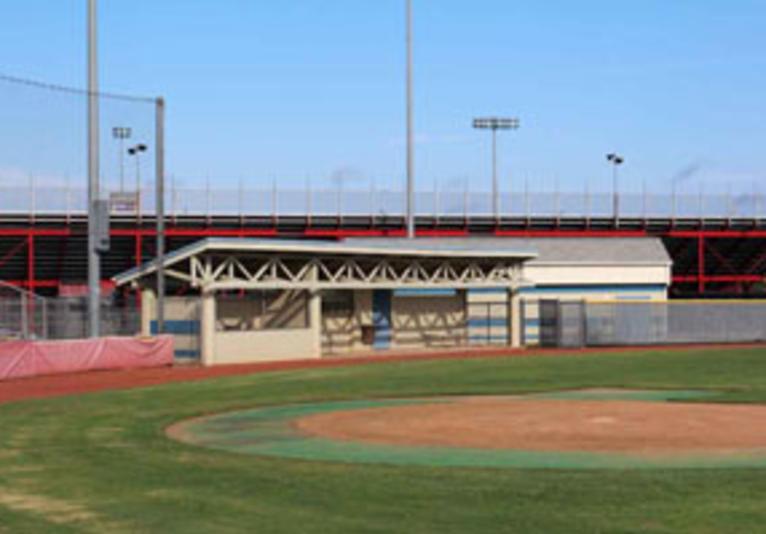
column 182, row 320
column 279, row 310
column 342, row 331
column 488, row 320
column 423, row 320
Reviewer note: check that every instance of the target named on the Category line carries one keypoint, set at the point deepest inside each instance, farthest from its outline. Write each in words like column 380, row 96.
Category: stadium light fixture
column 495, row 124
column 136, row 152
column 615, row 160
column 121, row 133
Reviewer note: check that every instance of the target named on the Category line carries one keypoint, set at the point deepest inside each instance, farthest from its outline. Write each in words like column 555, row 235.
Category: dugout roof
column 217, row 264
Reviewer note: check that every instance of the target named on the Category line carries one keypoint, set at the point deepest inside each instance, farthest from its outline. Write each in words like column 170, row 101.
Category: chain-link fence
column 624, row 323
column 599, row 324
column 24, row 315
column 30, row 194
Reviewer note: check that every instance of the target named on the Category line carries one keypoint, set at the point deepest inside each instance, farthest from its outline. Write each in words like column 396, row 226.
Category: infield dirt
column 631, row 427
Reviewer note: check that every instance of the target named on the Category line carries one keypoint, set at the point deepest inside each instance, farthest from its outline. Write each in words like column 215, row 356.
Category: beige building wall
column 417, row 321
column 275, row 326
column 428, row 321
column 342, row 331
column 277, row 310
column 182, row 320
column 600, row 274
column 263, row 346
column 488, row 320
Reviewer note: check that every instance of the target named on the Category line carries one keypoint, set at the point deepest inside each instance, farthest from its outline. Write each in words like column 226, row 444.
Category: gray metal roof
column 419, row 248
column 593, row 251
column 556, row 250
column 537, row 251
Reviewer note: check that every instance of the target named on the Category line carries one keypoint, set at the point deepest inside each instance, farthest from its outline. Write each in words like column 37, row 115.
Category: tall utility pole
column 495, row 124
column 159, row 159
column 410, row 132
column 94, row 267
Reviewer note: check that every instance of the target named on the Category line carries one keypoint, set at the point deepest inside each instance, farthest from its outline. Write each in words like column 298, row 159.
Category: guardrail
column 276, row 201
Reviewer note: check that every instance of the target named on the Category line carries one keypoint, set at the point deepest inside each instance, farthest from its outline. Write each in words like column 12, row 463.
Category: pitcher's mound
column 642, row 428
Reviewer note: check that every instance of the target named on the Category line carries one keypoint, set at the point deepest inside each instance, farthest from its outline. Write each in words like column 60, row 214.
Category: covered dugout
column 278, row 299
column 248, row 300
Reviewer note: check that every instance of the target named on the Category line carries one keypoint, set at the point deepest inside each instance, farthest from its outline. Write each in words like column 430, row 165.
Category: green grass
column 101, row 462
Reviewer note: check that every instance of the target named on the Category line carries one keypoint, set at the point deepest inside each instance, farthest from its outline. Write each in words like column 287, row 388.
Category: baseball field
column 660, row 441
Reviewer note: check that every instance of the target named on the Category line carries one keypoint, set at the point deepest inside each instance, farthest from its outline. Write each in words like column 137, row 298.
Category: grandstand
column 717, row 243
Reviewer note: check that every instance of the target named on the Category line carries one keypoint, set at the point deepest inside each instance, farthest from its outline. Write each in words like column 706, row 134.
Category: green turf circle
column 270, row 432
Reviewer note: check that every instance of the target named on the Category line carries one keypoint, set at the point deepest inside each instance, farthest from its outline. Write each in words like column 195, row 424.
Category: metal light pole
column 616, row 160
column 410, row 132
column 94, row 267
column 159, row 160
column 121, row 133
column 136, row 152
column 495, row 124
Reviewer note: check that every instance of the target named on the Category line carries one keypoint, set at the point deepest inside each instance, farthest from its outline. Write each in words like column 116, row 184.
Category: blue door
column 381, row 318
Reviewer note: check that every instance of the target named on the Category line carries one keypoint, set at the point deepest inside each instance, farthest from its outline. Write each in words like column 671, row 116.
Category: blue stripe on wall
column 488, row 291
column 592, row 288
column 187, row 354
column 178, row 328
column 425, row 292
column 485, row 322
column 487, row 338
column 381, row 318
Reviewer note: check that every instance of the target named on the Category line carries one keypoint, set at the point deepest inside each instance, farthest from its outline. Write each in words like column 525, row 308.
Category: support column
column 701, row 285
column 147, row 311
column 315, row 315
column 29, row 299
column 207, row 328
column 514, row 318
column 315, row 322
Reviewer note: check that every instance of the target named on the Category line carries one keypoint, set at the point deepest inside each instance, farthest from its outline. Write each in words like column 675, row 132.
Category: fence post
column 274, row 207
column 45, row 333
column 68, row 200
column 526, row 198
column 23, row 300
column 32, row 199
column 240, row 203
column 643, row 201
column 465, row 202
column 308, row 201
column 372, row 202
column 729, row 206
column 673, row 205
column 173, row 197
column 523, row 322
column 207, row 199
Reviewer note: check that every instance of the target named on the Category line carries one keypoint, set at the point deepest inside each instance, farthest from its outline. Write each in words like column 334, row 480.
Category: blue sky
column 297, row 89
